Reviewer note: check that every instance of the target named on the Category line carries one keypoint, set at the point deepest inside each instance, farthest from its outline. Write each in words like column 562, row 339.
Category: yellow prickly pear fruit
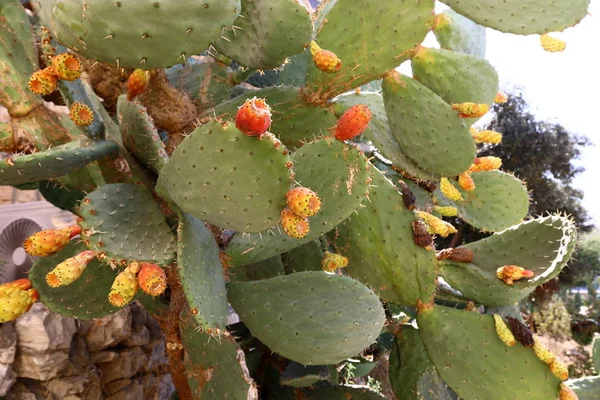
column 50, row 241
column 43, row 82
column 449, row 190
column 566, row 393
column 293, row 225
column 503, row 331
column 551, row 44
column 16, row 298
column 303, row 202
column 511, row 273
column 488, row 163
column 501, row 97
column 471, row 110
column 542, row 352
column 491, row 137
column 81, row 114
column 447, row 211
column 559, row 369
column 332, row 261
column 466, row 182
column 70, row 269
column 66, row 66
column 152, row 279
column 124, row 286
column 325, row 60
column 436, row 225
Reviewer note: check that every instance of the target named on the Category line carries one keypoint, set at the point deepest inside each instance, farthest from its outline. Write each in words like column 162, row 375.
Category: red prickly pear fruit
column 353, row 122
column 488, row 163
column 16, row 298
column 43, row 82
column 293, row 225
column 81, row 114
column 70, row 269
column 137, row 83
column 466, row 182
column 253, row 117
column 332, row 261
column 327, row 61
column 152, row 279
column 471, row 110
column 303, row 202
column 124, row 286
column 66, row 66
column 50, row 241
column 511, row 273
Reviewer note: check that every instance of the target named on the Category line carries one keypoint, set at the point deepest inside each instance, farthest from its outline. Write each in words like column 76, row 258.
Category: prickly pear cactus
column 287, row 185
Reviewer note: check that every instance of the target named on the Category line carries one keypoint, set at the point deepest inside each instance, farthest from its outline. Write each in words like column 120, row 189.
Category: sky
column 563, row 88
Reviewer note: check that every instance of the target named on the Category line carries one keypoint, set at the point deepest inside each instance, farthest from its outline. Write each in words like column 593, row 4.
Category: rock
column 43, row 342
column 159, row 387
column 110, row 330
column 31, row 390
column 8, row 348
column 7, row 377
column 125, row 365
column 81, row 387
column 133, row 391
column 116, row 386
column 140, row 335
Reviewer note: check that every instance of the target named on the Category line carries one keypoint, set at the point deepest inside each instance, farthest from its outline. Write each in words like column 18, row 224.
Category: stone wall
column 120, row 357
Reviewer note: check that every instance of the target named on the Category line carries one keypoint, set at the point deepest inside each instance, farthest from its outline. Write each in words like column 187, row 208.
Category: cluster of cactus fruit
column 287, row 170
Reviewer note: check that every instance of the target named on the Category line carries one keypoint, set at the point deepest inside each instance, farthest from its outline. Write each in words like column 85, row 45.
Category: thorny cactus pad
column 265, row 176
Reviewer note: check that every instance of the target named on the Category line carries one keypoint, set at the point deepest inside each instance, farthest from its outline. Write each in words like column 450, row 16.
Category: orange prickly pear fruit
column 16, row 298
column 303, row 202
column 43, row 82
column 50, row 241
column 81, row 114
column 503, row 331
column 471, row 110
column 465, row 181
column 488, row 163
column 446, row 211
column 353, row 122
column 325, row 60
column 253, row 117
column 551, row 44
column 66, row 66
column 70, row 269
column 449, row 190
column 152, row 279
column 487, row 136
column 559, row 369
column 542, row 352
column 137, row 83
column 124, row 286
column 501, row 97
column 293, row 225
column 332, row 261
column 566, row 393
column 511, row 273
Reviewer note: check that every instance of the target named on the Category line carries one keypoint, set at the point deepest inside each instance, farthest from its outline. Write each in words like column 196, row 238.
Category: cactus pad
column 266, row 33
column 147, row 34
column 123, row 223
column 309, row 317
column 228, row 179
column 341, row 393
column 522, row 17
column 587, row 388
column 338, row 173
column 542, row 245
column 470, row 357
column 426, row 127
column 457, row 33
column 201, row 273
column 86, row 298
column 298, row 375
column 54, row 162
column 208, row 84
column 380, row 245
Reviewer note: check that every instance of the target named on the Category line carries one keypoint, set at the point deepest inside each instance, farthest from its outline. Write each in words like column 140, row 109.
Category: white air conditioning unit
column 17, row 222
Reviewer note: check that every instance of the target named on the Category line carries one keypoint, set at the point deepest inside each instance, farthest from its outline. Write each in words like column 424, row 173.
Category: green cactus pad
column 428, row 130
column 378, row 131
column 208, row 84
column 380, row 245
column 298, row 375
column 309, row 317
column 341, row 393
column 86, row 298
column 140, row 34
column 124, row 222
column 294, row 122
column 304, row 258
column 201, row 273
column 368, row 39
column 215, row 368
column 596, row 354
column 140, row 135
column 266, row 33
column 412, row 375
column 61, row 196
column 522, row 17
column 543, row 245
column 471, row 358
column 18, row 59
column 228, row 179
column 587, row 388
column 499, row 200
column 457, row 33
column 293, row 73
column 269, row 268
column 456, row 77
column 54, row 162
column 338, row 173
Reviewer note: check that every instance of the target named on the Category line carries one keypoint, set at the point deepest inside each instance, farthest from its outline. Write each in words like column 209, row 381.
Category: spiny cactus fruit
column 566, row 393
column 66, row 66
column 489, row 163
column 501, row 97
column 449, row 190
column 487, row 136
column 294, row 225
column 50, row 241
column 435, row 225
column 69, row 270
column 124, row 286
column 503, row 331
column 522, row 333
column 471, row 110
column 511, row 273
column 303, row 202
column 327, row 61
column 81, row 114
column 253, row 117
column 137, row 83
column 459, row 254
column 43, row 82
column 152, row 279
column 465, row 181
column 559, row 369
column 353, row 122
column 421, row 235
column 541, row 352
column 552, row 45
column 16, row 298
column 332, row 261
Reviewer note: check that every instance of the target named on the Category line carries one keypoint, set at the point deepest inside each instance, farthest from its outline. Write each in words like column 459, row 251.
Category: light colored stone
column 158, row 387
column 80, row 387
column 110, row 330
column 8, row 343
column 116, row 386
column 133, row 391
column 7, row 378
column 128, row 362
